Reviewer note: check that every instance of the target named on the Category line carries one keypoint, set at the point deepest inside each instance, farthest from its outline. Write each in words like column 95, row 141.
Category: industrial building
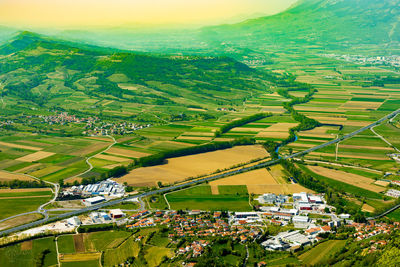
column 93, row 200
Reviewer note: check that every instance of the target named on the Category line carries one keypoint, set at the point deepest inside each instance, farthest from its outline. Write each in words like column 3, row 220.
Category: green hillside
column 51, row 73
column 316, row 24
column 329, row 23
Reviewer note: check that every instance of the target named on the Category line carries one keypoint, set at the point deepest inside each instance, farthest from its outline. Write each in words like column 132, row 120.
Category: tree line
column 22, row 184
column 238, row 123
column 159, row 158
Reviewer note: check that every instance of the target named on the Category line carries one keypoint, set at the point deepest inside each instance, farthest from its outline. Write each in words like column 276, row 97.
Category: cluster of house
column 393, row 193
column 196, row 248
column 64, row 118
column 108, row 188
column 396, row 157
column 195, row 224
column 370, row 229
column 120, row 128
column 393, row 60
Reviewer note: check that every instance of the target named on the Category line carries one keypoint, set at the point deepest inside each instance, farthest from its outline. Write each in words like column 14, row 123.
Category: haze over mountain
column 325, row 23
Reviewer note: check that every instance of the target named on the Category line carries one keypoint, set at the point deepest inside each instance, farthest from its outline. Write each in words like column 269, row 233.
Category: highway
column 190, row 183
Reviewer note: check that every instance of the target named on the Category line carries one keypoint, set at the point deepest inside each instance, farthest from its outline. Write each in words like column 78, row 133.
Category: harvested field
column 199, row 138
column 126, row 153
column 367, row 208
column 79, row 244
column 24, row 190
column 279, row 135
column 23, row 197
column 20, row 146
column 361, row 105
column 366, row 147
column 198, row 134
column 29, row 168
column 46, row 171
column 214, row 189
column 80, row 257
column 262, row 181
column 27, row 245
column 19, row 220
column 100, row 138
column 111, row 158
column 348, row 178
column 5, row 176
column 382, row 183
column 243, row 129
column 277, row 189
column 36, row 156
column 90, row 149
column 281, row 127
column 177, row 169
column 277, row 172
column 257, row 177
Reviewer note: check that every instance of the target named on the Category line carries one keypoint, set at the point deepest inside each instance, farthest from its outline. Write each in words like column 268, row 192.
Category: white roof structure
column 300, row 219
column 94, row 199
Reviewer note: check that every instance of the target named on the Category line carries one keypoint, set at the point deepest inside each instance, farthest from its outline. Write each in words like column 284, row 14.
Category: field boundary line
column 338, row 164
column 384, row 139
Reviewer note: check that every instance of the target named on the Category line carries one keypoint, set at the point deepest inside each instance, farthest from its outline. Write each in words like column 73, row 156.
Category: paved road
column 384, row 214
column 191, row 183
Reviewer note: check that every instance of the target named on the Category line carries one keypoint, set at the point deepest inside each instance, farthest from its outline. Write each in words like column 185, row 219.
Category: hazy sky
column 118, row 12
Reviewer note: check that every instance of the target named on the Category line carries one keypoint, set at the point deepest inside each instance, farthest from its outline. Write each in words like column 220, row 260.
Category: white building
column 93, row 200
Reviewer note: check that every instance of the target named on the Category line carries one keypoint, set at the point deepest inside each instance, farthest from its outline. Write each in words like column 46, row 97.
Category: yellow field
column 348, row 178
column 177, row 169
column 281, row 127
column 90, row 149
column 367, row 208
column 382, row 183
column 361, row 105
column 36, row 156
column 20, row 146
column 257, row 177
column 200, row 138
column 46, row 171
column 111, row 158
column 277, row 189
column 262, row 181
column 5, row 176
column 366, row 147
column 265, row 134
column 29, row 168
column 24, row 190
column 79, row 257
column 126, row 153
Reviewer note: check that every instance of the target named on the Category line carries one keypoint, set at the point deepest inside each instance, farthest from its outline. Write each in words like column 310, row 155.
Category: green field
column 66, row 244
column 17, row 257
column 321, row 252
column 200, row 197
column 81, row 264
column 343, row 186
column 10, row 207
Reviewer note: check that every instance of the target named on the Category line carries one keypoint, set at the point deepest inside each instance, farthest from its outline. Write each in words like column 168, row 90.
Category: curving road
column 191, row 183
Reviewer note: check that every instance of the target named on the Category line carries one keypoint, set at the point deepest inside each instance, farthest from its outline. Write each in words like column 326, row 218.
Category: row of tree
column 237, row 123
column 161, row 157
column 22, row 184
